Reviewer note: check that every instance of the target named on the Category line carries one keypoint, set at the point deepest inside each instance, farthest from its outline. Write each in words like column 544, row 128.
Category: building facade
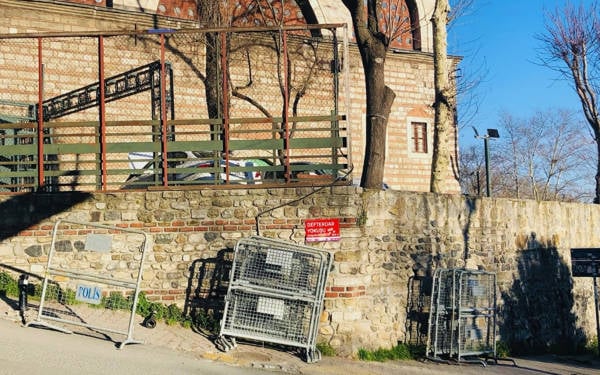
column 409, row 65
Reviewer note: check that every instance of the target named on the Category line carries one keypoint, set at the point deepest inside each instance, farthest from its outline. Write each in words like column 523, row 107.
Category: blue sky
column 497, row 39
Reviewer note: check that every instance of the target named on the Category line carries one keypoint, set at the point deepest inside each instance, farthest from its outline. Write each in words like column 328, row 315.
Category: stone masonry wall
column 389, row 239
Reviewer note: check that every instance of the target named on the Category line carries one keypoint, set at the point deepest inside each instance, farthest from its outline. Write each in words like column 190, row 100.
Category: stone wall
column 389, row 241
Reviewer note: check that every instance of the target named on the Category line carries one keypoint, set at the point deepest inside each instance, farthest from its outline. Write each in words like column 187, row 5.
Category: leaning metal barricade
column 92, row 279
column 462, row 319
column 275, row 295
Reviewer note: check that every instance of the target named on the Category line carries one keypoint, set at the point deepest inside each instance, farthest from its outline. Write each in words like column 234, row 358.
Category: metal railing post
column 102, row 113
column 40, row 118
column 225, row 90
column 163, row 112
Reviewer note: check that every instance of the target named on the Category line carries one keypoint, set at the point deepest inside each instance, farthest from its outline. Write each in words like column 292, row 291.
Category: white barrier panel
column 92, row 279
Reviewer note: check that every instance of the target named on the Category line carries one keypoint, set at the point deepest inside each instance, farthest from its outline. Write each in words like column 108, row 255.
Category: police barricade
column 275, row 295
column 92, row 279
column 462, row 319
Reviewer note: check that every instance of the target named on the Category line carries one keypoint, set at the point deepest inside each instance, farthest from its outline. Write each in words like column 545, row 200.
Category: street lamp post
column 491, row 133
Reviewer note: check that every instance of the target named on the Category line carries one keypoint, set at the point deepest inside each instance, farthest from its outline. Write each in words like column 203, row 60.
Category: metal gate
column 275, row 294
column 462, row 318
column 92, row 279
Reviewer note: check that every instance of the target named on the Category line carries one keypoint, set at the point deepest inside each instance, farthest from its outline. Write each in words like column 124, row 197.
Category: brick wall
column 409, row 74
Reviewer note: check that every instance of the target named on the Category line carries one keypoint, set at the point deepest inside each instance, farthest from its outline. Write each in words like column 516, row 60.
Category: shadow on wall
column 536, row 315
column 206, row 291
column 471, row 205
column 14, row 273
column 425, row 262
column 418, row 307
column 20, row 212
column 33, row 287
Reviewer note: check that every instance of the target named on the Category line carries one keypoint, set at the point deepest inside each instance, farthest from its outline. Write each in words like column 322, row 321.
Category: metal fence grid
column 92, row 279
column 270, row 318
column 462, row 319
column 275, row 294
column 280, row 267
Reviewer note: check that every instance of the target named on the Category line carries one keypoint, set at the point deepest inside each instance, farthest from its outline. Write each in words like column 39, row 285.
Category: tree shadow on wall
column 537, row 316
column 20, row 212
column 206, row 291
column 418, row 307
column 420, row 285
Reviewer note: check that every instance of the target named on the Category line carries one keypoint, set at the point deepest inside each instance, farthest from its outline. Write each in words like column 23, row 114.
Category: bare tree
column 571, row 47
column 543, row 157
column 443, row 168
column 213, row 14
column 466, row 79
column 374, row 29
column 471, row 165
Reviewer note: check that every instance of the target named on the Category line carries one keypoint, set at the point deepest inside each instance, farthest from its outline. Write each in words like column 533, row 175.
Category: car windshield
column 186, row 170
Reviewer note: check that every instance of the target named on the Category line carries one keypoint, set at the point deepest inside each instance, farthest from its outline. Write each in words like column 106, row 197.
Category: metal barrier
column 462, row 319
column 92, row 279
column 275, row 295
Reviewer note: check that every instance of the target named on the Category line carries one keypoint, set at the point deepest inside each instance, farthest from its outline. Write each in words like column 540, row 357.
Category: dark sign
column 585, row 262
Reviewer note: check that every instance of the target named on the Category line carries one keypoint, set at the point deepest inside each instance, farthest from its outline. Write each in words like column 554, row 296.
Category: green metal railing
column 252, row 157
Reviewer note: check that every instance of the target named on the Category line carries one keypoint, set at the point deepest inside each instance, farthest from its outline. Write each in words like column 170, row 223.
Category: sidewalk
column 257, row 356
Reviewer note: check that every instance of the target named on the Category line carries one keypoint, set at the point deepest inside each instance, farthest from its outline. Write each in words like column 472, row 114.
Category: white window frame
column 409, row 137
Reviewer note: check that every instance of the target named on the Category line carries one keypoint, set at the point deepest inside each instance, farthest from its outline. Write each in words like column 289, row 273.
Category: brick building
column 409, row 66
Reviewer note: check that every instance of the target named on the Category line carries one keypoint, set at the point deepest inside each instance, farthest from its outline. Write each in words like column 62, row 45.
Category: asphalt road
column 32, row 350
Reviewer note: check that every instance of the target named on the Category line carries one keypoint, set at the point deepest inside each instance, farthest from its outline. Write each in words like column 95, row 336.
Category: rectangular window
column 419, row 137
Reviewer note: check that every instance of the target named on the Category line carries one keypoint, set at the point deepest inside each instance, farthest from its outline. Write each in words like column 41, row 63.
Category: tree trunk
column 444, row 114
column 373, row 47
column 379, row 104
column 597, row 177
column 212, row 83
column 210, row 14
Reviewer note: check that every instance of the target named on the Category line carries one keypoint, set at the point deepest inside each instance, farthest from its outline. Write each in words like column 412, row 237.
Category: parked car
column 239, row 171
column 144, row 160
column 300, row 170
column 192, row 171
column 356, row 182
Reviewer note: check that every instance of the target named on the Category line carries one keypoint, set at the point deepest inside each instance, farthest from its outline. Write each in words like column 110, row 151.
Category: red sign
column 322, row 230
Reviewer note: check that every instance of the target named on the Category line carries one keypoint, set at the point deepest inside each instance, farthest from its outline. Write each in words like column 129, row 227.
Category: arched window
column 399, row 19
column 413, row 12
column 265, row 13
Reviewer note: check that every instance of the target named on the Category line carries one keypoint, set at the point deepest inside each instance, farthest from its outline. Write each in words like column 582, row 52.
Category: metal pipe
column 40, row 119
column 102, row 113
column 285, row 117
column 163, row 112
column 225, row 92
column 487, row 167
